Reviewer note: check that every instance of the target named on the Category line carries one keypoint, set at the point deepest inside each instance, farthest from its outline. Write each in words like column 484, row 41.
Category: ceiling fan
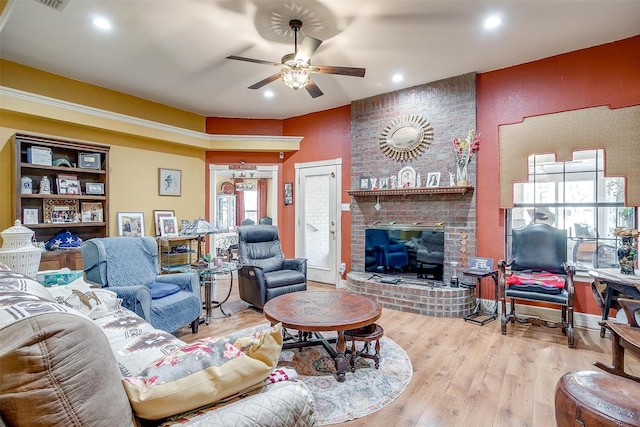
column 295, row 68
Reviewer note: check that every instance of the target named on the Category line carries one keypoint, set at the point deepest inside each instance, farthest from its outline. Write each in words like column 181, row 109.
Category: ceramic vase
column 627, row 255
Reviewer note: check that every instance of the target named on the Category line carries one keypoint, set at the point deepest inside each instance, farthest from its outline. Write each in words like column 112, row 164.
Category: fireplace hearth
column 413, row 295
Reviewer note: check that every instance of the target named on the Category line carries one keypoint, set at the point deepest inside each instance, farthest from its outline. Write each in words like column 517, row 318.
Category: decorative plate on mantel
column 227, row 187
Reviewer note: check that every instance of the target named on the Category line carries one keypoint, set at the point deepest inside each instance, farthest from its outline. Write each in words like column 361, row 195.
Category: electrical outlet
column 343, row 268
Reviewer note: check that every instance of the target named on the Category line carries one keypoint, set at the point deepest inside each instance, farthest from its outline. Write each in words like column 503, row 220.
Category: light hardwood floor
column 463, row 374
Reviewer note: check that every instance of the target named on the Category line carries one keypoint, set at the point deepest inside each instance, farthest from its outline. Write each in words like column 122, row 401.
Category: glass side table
column 207, row 278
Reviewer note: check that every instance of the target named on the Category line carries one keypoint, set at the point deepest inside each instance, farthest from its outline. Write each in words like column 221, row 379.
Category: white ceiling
column 173, row 51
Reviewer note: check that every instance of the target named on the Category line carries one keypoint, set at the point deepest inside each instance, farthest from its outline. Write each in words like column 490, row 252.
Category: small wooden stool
column 592, row 398
column 366, row 334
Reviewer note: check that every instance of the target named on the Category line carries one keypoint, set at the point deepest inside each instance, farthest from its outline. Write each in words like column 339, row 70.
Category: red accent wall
column 603, row 75
column 236, row 126
column 327, row 135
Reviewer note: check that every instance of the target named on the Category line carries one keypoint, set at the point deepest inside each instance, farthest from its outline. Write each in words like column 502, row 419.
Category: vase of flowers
column 464, row 150
column 628, row 250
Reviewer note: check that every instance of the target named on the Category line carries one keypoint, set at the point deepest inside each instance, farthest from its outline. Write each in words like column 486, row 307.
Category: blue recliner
column 129, row 267
column 265, row 273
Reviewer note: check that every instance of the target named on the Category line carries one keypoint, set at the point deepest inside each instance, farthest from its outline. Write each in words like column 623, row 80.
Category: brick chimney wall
column 450, row 107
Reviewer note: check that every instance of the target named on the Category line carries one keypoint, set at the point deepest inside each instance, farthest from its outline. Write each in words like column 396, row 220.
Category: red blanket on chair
column 546, row 280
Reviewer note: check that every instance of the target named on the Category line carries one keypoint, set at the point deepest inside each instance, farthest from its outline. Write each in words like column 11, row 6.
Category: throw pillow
column 161, row 290
column 23, row 283
column 92, row 302
column 203, row 372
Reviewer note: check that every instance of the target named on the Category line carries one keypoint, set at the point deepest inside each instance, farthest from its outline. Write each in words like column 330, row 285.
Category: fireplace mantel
column 411, row 191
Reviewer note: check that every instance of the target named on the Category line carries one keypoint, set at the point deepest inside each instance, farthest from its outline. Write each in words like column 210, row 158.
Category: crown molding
column 42, row 106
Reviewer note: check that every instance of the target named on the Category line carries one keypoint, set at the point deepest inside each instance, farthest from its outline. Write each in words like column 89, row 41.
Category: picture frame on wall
column 433, row 179
column 131, row 224
column 169, row 182
column 169, row 226
column 288, row 193
column 158, row 215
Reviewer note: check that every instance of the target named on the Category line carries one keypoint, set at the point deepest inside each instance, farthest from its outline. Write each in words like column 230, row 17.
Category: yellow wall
column 32, row 80
column 143, row 135
column 134, row 160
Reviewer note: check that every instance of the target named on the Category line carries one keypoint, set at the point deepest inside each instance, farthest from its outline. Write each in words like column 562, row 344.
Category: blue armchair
column 129, row 267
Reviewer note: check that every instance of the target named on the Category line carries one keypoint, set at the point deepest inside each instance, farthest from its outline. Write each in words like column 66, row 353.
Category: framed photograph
column 158, row 215
column 63, row 214
column 365, row 183
column 68, row 184
column 169, row 182
column 89, row 161
column 92, row 212
column 288, row 193
column 61, row 207
column 383, row 182
column 131, row 224
column 433, row 179
column 30, row 216
column 169, row 226
column 95, row 188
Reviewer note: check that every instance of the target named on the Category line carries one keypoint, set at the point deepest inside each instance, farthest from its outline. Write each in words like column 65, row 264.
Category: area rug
column 363, row 392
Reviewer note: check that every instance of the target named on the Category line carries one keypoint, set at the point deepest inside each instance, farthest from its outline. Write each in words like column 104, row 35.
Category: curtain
column 262, row 197
column 616, row 131
column 239, row 202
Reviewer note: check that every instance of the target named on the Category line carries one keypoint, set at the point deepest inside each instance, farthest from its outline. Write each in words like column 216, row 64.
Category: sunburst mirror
column 406, row 138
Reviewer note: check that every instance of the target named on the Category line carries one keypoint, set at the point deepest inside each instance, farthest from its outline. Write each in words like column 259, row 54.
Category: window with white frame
column 575, row 196
column 251, row 205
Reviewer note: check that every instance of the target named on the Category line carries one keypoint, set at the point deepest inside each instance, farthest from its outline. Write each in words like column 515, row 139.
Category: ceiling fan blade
column 308, row 46
column 265, row 81
column 344, row 71
column 257, row 61
column 313, row 89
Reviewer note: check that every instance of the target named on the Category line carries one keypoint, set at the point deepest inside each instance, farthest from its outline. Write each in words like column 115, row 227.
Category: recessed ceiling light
column 397, row 77
column 101, row 23
column 268, row 94
column 492, row 22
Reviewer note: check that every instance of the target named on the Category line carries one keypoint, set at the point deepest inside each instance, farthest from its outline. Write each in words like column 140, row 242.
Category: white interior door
column 318, row 218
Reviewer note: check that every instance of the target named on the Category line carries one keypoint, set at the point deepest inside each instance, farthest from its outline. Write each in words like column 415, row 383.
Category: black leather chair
column 264, row 272
column 538, row 248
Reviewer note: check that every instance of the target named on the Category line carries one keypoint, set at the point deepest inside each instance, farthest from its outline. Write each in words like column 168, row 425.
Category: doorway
column 221, row 174
column 318, row 219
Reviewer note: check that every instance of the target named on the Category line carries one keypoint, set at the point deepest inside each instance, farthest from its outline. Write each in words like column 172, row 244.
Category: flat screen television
column 405, row 250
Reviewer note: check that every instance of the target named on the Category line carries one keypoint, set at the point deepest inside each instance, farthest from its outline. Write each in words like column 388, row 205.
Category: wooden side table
column 627, row 284
column 480, row 315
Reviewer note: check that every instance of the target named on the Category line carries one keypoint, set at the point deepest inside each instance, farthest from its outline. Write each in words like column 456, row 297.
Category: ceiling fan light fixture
column 295, row 74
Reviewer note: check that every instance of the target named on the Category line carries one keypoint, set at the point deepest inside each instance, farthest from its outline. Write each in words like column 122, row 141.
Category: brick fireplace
column 450, row 107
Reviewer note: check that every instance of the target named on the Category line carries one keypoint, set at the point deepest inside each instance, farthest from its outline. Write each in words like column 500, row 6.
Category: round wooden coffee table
column 316, row 311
